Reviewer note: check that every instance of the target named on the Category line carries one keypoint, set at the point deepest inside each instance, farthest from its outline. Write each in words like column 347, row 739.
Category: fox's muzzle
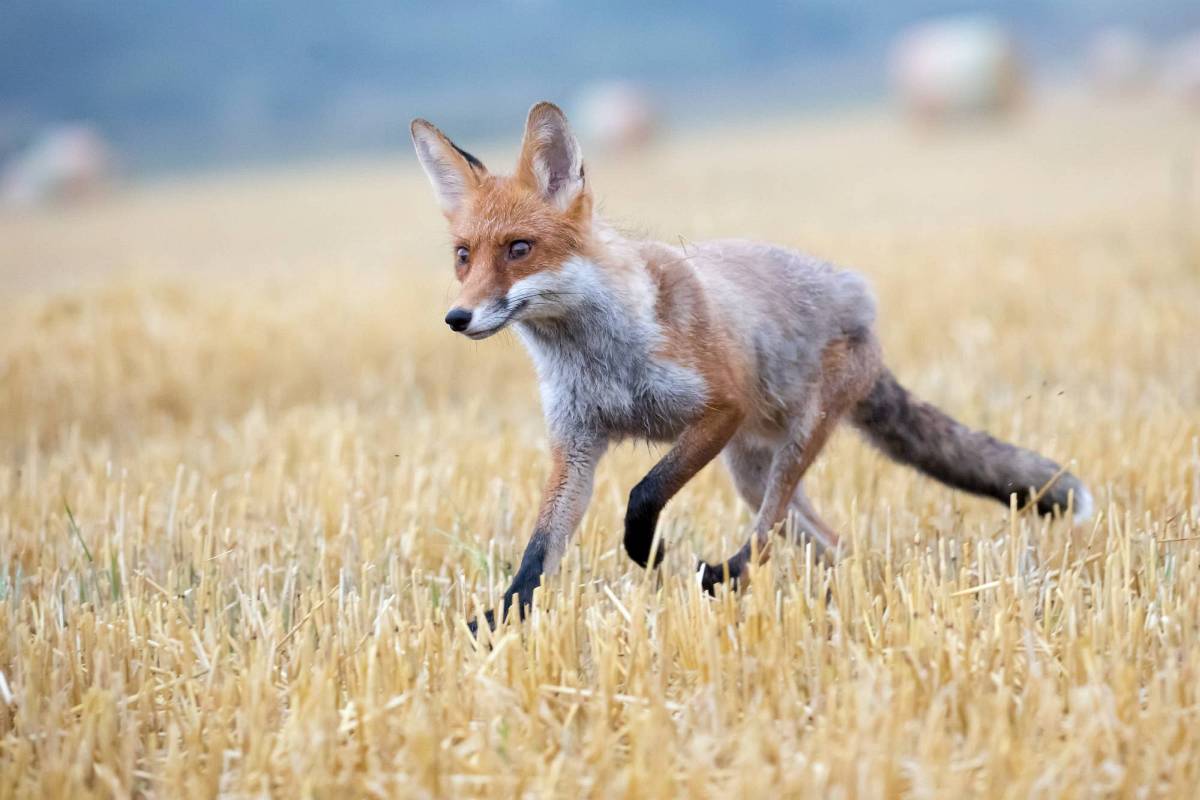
column 484, row 320
column 458, row 319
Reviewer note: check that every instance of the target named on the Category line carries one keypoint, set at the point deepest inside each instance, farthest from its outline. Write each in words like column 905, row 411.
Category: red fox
column 732, row 347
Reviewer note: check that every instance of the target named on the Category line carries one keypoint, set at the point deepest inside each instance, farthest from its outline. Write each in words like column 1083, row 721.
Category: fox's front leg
column 697, row 445
column 564, row 499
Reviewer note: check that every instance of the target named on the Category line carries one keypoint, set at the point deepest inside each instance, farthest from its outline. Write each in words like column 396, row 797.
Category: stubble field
column 251, row 489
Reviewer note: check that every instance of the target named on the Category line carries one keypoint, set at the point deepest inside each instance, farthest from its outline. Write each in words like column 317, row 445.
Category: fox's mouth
column 509, row 317
column 477, row 335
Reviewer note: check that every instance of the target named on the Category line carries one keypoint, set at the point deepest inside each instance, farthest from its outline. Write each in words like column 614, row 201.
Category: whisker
column 543, row 293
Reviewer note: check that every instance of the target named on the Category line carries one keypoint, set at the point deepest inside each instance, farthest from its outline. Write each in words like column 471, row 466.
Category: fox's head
column 513, row 235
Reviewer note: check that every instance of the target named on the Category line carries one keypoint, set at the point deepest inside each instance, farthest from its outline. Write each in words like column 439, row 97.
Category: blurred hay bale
column 956, row 67
column 1119, row 62
column 616, row 115
column 1181, row 68
column 64, row 162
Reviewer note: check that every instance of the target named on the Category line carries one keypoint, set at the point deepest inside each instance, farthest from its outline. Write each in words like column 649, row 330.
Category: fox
column 730, row 347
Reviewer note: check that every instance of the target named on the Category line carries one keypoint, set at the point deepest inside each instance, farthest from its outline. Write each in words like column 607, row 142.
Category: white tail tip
column 1084, row 506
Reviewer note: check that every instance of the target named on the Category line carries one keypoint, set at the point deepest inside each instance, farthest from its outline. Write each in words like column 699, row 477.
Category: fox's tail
column 916, row 433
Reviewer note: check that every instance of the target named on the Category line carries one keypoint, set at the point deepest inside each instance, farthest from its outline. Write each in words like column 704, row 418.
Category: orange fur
column 499, row 211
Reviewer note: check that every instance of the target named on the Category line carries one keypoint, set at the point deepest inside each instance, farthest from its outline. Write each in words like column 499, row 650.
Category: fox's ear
column 452, row 170
column 550, row 156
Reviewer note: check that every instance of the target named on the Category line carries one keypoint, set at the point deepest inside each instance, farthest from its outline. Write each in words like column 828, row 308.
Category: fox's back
column 767, row 286
column 776, row 308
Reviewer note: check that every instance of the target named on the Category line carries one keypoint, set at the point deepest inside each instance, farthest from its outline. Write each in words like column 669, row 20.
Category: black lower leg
column 646, row 502
column 731, row 572
column 528, row 578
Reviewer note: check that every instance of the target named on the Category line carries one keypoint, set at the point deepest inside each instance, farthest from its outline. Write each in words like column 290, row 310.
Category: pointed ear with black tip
column 452, row 171
column 550, row 156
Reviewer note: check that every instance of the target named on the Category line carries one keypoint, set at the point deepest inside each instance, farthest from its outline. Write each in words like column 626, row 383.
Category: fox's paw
column 639, row 551
column 711, row 576
column 489, row 619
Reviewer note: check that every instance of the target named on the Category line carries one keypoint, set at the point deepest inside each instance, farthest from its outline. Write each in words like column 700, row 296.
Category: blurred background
column 240, row 174
column 227, row 391
column 92, row 90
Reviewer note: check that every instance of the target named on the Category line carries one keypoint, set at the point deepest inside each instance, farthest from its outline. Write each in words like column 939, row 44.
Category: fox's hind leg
column 772, row 479
column 748, row 466
column 780, row 492
column 809, row 523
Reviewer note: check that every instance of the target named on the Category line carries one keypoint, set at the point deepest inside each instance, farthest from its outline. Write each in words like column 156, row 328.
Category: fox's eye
column 519, row 249
column 462, row 255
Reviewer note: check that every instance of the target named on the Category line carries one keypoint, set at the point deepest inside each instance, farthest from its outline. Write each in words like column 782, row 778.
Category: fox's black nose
column 458, row 319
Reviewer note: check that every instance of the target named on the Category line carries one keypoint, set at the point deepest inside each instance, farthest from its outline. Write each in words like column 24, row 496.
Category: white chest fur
column 597, row 353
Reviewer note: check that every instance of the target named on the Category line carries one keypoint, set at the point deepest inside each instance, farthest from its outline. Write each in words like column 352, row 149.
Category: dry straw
column 251, row 490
